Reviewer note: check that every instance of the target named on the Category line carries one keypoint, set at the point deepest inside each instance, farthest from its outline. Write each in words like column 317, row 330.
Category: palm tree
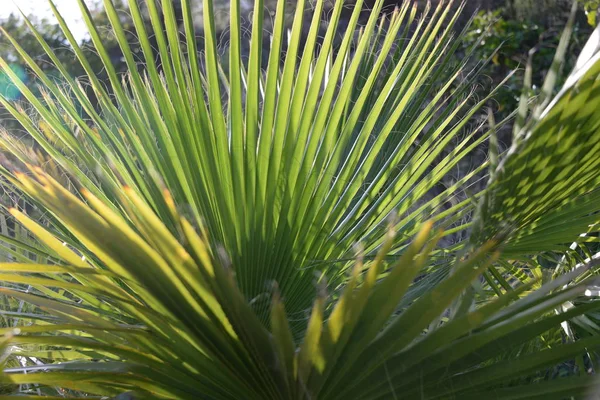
column 243, row 232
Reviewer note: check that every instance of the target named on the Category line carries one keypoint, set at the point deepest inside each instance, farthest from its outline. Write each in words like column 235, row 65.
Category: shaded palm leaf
column 127, row 319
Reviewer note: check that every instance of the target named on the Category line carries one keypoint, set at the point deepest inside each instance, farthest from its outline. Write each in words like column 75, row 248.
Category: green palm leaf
column 544, row 193
column 173, row 302
column 319, row 169
column 200, row 222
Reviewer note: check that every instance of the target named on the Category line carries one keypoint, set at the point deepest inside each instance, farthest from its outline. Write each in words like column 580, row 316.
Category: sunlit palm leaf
column 199, row 227
column 545, row 192
column 285, row 180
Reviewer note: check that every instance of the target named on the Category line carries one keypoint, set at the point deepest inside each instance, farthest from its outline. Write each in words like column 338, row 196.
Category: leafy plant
column 198, row 236
column 511, row 43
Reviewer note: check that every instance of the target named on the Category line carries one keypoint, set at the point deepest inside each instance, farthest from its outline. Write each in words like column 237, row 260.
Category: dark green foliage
column 508, row 41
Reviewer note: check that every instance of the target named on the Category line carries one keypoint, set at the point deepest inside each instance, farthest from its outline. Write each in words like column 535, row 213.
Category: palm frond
column 200, row 220
column 145, row 303
column 293, row 165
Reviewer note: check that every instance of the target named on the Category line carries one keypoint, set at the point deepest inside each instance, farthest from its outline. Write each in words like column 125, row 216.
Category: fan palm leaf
column 168, row 320
column 200, row 222
column 286, row 167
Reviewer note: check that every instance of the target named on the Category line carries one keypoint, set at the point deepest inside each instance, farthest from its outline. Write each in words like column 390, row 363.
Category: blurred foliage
column 500, row 36
column 55, row 39
column 544, row 12
column 51, row 32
